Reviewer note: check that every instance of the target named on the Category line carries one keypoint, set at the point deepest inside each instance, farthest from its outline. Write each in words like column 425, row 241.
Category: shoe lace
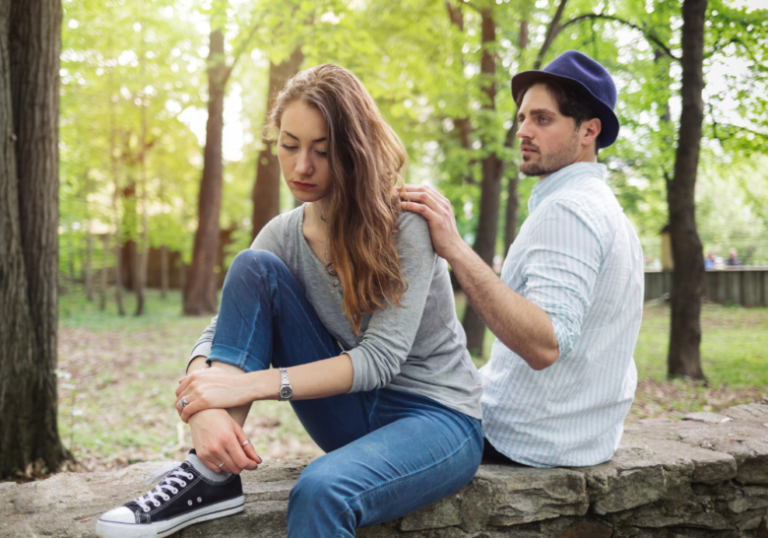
column 172, row 475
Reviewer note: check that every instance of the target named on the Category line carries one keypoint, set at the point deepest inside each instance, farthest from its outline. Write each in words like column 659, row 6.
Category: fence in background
column 745, row 286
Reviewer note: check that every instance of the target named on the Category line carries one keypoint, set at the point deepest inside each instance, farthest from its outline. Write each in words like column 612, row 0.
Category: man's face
column 548, row 140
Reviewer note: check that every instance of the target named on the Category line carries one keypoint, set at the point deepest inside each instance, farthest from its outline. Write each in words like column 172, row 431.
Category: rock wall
column 702, row 477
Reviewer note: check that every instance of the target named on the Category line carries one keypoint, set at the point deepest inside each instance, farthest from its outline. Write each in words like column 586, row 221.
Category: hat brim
column 609, row 122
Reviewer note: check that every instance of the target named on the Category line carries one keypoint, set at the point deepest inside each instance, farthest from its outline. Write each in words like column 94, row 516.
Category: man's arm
column 522, row 326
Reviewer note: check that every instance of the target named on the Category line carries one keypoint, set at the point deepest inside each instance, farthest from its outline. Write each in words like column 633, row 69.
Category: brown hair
column 366, row 159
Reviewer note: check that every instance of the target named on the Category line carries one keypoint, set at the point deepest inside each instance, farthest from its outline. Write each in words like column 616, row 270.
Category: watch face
column 286, row 392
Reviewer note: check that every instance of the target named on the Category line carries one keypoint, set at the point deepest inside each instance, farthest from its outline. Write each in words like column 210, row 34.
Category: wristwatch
column 286, row 391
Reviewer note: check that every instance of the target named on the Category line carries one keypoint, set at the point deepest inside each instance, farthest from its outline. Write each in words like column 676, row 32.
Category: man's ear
column 590, row 129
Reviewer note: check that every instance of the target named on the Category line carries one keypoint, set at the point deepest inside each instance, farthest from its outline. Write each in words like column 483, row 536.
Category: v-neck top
column 418, row 347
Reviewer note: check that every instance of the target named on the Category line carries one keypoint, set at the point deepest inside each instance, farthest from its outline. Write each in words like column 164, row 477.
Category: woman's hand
column 218, row 439
column 211, row 388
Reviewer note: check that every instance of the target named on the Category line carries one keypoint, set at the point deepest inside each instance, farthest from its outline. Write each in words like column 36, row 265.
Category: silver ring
column 184, row 403
column 246, row 442
column 221, row 465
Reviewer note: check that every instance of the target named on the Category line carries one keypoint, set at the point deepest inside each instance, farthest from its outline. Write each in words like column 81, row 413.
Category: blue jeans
column 389, row 452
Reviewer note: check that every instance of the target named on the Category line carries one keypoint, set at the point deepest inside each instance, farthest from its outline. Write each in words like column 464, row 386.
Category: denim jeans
column 388, row 452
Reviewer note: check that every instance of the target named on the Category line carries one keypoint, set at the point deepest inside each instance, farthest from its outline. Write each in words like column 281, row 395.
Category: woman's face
column 302, row 151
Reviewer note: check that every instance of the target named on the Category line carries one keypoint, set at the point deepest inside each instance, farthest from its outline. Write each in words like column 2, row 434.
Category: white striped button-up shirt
column 579, row 259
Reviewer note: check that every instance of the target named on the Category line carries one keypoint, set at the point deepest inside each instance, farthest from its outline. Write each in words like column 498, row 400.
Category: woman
column 347, row 299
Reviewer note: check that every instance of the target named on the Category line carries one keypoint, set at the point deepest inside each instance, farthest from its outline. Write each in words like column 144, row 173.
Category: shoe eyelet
column 174, row 490
column 146, row 508
column 189, row 503
column 199, row 499
column 166, row 498
column 156, row 503
column 183, row 483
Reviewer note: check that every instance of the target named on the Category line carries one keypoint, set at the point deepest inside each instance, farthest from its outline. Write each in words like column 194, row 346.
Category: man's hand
column 438, row 211
column 218, row 439
column 521, row 325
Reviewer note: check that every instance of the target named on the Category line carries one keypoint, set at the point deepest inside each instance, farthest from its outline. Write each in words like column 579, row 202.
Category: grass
column 117, row 380
column 734, row 347
column 118, row 375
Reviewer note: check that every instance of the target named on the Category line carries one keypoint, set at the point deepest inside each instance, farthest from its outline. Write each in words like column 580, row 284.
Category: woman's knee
column 320, row 484
column 253, row 261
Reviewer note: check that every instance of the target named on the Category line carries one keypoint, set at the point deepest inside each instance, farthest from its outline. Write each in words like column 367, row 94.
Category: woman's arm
column 218, row 388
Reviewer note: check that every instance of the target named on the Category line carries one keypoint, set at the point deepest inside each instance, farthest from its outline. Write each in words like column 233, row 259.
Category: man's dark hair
column 571, row 102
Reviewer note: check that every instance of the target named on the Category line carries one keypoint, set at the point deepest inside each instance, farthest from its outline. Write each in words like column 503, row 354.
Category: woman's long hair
column 365, row 159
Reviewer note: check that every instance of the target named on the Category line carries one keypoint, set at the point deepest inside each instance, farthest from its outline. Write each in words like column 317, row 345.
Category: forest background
column 162, row 147
column 133, row 111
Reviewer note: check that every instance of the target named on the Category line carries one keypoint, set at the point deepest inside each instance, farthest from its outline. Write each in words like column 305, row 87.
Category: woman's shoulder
column 413, row 237
column 413, row 223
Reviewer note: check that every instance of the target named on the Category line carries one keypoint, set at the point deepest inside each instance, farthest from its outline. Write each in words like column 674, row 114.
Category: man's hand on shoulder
column 433, row 206
column 521, row 325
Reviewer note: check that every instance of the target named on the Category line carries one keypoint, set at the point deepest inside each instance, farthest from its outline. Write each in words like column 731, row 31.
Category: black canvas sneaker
column 189, row 493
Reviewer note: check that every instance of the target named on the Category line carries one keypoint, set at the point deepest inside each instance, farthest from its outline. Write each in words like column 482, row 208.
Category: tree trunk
column 104, row 268
column 141, row 273
column 130, row 232
column 88, row 264
column 488, row 222
column 688, row 275
column 115, row 193
column 29, row 111
column 200, row 291
column 182, row 277
column 510, row 219
column 163, row 271
column 266, row 189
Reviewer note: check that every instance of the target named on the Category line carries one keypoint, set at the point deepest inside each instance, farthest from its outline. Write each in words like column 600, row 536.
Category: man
column 566, row 311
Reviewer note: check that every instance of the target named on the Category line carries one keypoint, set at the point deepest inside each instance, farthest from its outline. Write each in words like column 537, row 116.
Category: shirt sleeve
column 269, row 238
column 561, row 268
column 388, row 340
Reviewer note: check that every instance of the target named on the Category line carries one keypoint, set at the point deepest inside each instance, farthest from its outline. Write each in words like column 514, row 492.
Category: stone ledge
column 702, row 477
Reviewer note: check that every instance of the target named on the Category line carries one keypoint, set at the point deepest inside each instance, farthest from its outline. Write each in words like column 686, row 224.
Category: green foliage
column 424, row 71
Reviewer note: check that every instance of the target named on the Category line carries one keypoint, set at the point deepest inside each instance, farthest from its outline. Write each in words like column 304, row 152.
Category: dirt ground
column 116, row 400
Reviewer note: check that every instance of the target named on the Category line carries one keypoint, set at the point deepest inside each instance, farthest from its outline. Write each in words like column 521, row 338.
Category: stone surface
column 709, row 418
column 632, row 478
column 669, row 479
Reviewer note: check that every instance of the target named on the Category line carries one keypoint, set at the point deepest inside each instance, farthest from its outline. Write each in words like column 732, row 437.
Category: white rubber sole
column 111, row 529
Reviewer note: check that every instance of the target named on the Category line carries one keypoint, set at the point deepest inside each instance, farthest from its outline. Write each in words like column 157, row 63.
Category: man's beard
column 549, row 163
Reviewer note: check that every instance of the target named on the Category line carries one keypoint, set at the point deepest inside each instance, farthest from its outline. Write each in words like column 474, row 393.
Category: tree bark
column 266, row 188
column 29, row 110
column 688, row 275
column 488, row 221
column 200, row 291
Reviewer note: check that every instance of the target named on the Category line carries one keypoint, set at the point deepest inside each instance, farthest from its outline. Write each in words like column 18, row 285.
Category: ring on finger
column 246, row 442
column 184, row 403
column 220, row 465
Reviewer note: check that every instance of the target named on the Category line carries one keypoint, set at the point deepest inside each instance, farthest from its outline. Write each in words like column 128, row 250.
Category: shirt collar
column 565, row 176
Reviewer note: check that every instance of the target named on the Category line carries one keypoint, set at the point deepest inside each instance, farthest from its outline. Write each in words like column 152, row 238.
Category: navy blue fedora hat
column 586, row 76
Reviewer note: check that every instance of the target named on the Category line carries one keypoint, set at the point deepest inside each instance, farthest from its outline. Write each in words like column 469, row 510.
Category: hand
column 218, row 439
column 438, row 211
column 210, row 388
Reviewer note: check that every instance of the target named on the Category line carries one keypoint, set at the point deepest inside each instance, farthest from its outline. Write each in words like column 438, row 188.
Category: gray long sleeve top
column 419, row 347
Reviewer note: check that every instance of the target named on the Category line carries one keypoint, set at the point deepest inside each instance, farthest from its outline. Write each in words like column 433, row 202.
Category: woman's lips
column 303, row 186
